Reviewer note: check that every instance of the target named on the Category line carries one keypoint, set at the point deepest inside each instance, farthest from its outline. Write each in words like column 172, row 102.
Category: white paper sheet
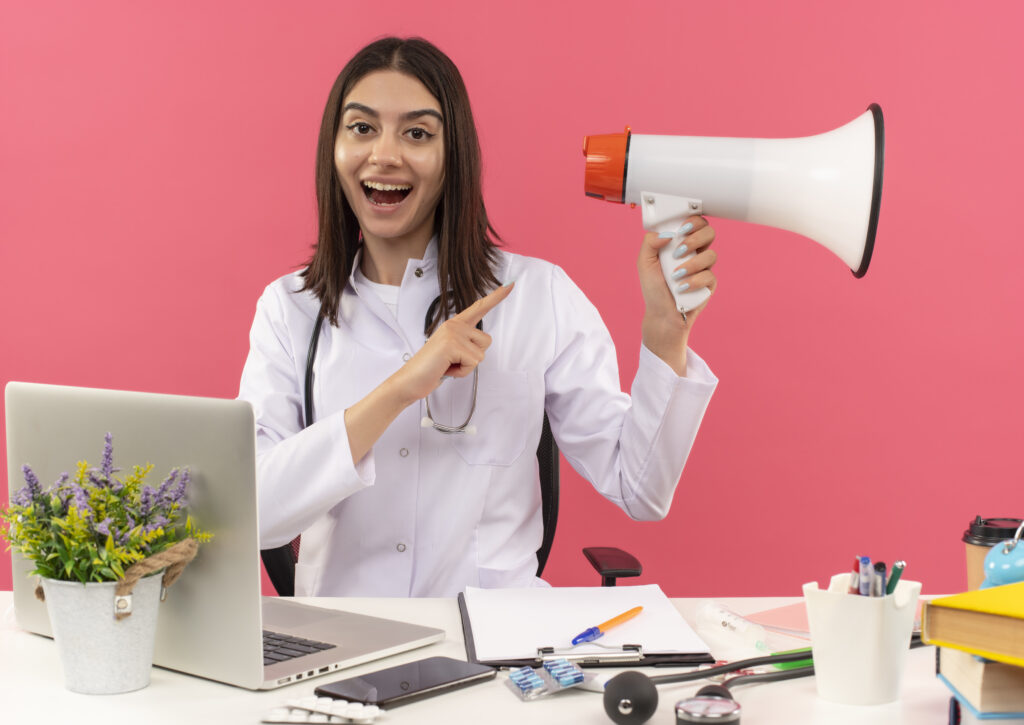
column 513, row 623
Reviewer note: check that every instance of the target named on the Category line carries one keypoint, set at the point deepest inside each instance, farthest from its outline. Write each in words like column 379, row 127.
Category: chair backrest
column 547, row 458
column 280, row 562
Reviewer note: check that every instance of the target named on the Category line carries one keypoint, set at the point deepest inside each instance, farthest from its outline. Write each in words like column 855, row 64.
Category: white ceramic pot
column 100, row 654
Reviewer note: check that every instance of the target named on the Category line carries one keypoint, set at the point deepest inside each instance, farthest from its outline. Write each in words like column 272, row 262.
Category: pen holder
column 860, row 643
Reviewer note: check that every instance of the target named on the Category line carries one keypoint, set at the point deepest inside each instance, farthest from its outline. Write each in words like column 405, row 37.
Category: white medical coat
column 426, row 513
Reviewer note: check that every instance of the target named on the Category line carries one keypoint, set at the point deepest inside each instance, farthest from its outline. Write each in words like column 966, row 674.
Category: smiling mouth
column 386, row 194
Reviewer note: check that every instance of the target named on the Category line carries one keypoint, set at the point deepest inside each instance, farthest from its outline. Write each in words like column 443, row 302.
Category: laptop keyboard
column 279, row 647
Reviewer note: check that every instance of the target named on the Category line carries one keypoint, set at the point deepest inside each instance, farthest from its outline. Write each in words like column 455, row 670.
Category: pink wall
column 156, row 173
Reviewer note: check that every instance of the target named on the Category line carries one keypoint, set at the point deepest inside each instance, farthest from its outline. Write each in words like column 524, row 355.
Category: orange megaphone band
column 607, row 156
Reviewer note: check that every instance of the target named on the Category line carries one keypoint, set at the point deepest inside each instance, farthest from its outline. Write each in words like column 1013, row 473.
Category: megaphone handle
column 685, row 301
column 664, row 213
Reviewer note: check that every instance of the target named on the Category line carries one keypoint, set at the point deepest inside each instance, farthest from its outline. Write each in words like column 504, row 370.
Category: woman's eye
column 419, row 134
column 360, row 129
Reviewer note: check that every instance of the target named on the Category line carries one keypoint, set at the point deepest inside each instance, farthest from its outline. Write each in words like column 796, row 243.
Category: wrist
column 667, row 339
column 394, row 395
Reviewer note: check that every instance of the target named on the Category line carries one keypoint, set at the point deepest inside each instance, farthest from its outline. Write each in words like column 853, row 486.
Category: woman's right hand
column 454, row 350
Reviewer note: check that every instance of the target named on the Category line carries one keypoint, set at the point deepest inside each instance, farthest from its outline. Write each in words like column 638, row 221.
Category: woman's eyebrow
column 407, row 116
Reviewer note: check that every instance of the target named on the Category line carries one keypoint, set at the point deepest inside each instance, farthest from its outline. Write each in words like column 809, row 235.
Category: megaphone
column 826, row 187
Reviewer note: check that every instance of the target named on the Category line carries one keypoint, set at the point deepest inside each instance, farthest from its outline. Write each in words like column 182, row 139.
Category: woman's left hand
column 665, row 330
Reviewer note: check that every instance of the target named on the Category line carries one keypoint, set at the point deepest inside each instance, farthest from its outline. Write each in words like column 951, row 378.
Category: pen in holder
column 860, row 643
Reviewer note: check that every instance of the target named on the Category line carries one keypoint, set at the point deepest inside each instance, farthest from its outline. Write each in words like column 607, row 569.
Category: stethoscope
column 428, row 419
column 631, row 697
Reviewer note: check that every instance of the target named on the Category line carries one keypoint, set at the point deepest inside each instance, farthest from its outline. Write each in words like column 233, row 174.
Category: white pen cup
column 860, row 643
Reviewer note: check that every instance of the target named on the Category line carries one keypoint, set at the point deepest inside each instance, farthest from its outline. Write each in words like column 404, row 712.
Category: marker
column 878, row 580
column 855, row 577
column 793, row 665
column 594, row 632
column 894, row 577
column 866, row 575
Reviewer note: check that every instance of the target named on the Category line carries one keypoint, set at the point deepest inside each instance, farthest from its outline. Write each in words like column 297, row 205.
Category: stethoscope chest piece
column 707, row 710
column 711, row 704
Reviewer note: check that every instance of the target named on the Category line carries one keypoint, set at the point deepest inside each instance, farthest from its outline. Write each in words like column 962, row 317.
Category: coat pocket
column 501, row 420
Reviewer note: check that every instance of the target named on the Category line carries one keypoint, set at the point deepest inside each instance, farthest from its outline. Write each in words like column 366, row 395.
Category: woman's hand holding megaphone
column 665, row 330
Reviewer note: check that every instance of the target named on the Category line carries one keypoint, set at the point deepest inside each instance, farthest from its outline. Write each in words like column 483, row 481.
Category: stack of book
column 980, row 652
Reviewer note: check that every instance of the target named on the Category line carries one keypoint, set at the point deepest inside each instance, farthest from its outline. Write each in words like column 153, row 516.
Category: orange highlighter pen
column 594, row 632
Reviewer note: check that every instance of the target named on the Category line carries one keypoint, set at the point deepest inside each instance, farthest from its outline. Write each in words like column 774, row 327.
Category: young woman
column 432, row 331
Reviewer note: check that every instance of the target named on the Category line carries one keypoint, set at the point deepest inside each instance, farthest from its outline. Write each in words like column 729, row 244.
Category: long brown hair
column 466, row 246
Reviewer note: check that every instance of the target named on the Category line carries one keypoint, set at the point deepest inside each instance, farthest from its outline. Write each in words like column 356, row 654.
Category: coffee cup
column 980, row 536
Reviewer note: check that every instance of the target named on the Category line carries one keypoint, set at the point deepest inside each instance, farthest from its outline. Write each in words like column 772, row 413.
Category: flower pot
column 100, row 653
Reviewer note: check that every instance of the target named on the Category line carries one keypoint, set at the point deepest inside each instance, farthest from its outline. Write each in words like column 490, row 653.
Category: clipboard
column 615, row 654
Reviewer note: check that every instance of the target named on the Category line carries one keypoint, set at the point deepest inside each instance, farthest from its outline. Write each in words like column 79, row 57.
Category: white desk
column 31, row 683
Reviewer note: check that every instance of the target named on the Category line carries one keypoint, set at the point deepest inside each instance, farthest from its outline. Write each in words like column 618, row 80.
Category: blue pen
column 867, row 576
column 593, row 633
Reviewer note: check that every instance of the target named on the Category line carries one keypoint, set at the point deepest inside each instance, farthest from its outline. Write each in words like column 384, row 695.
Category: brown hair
column 466, row 251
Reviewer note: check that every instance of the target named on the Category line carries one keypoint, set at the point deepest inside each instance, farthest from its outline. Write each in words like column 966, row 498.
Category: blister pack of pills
column 556, row 675
column 323, row 710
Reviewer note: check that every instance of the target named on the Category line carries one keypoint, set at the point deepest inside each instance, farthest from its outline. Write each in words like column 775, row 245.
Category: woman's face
column 389, row 155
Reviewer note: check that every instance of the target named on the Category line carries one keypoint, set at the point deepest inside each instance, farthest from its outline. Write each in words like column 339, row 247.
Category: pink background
column 156, row 172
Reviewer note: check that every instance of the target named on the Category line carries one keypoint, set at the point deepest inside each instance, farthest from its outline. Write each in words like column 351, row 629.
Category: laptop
column 214, row 620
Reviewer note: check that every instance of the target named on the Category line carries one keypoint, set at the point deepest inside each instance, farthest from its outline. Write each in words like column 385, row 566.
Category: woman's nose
column 385, row 151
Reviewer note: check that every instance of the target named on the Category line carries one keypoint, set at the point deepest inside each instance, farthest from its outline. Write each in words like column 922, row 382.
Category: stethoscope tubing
column 314, row 342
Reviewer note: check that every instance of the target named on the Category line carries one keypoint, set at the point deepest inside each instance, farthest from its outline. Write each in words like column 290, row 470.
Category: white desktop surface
column 31, row 683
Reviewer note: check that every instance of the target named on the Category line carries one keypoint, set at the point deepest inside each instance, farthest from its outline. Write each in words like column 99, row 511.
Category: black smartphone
column 409, row 682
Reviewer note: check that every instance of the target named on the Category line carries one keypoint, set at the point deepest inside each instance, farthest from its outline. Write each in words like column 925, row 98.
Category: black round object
column 989, row 532
column 630, row 698
column 715, row 691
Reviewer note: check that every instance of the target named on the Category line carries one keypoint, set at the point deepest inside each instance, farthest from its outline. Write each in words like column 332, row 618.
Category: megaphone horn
column 826, row 187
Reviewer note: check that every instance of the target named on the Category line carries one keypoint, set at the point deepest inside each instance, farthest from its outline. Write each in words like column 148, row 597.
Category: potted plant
column 97, row 542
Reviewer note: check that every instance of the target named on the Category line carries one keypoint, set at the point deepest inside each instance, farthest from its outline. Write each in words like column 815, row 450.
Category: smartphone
column 409, row 682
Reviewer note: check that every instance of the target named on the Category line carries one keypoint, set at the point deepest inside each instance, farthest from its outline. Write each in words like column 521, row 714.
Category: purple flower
column 122, row 538
column 81, row 499
column 164, row 494
column 156, row 523
column 147, row 501
column 31, row 490
column 178, row 494
column 103, row 527
column 107, row 465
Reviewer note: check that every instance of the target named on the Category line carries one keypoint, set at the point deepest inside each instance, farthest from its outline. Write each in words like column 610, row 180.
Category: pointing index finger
column 476, row 311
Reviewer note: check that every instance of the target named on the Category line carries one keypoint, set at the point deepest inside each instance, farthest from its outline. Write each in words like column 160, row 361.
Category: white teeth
column 386, row 187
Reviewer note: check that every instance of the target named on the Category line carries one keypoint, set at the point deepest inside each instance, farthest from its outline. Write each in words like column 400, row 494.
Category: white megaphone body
column 827, row 187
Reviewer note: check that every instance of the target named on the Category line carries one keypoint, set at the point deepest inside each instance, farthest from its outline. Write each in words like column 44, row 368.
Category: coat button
column 403, row 452
column 405, row 357
column 400, row 547
column 418, row 272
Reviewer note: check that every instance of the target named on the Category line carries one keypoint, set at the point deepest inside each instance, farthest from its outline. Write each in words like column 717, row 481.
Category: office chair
column 610, row 563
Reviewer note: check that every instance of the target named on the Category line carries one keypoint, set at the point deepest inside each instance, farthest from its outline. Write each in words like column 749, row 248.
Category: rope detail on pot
column 173, row 560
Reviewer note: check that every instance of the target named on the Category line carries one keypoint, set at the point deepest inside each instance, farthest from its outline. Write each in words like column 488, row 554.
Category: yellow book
column 985, row 622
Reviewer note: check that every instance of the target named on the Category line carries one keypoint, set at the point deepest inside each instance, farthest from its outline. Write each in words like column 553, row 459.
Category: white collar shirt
column 426, row 513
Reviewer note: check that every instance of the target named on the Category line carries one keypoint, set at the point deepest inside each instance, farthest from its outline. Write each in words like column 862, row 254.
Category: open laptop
column 214, row 619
